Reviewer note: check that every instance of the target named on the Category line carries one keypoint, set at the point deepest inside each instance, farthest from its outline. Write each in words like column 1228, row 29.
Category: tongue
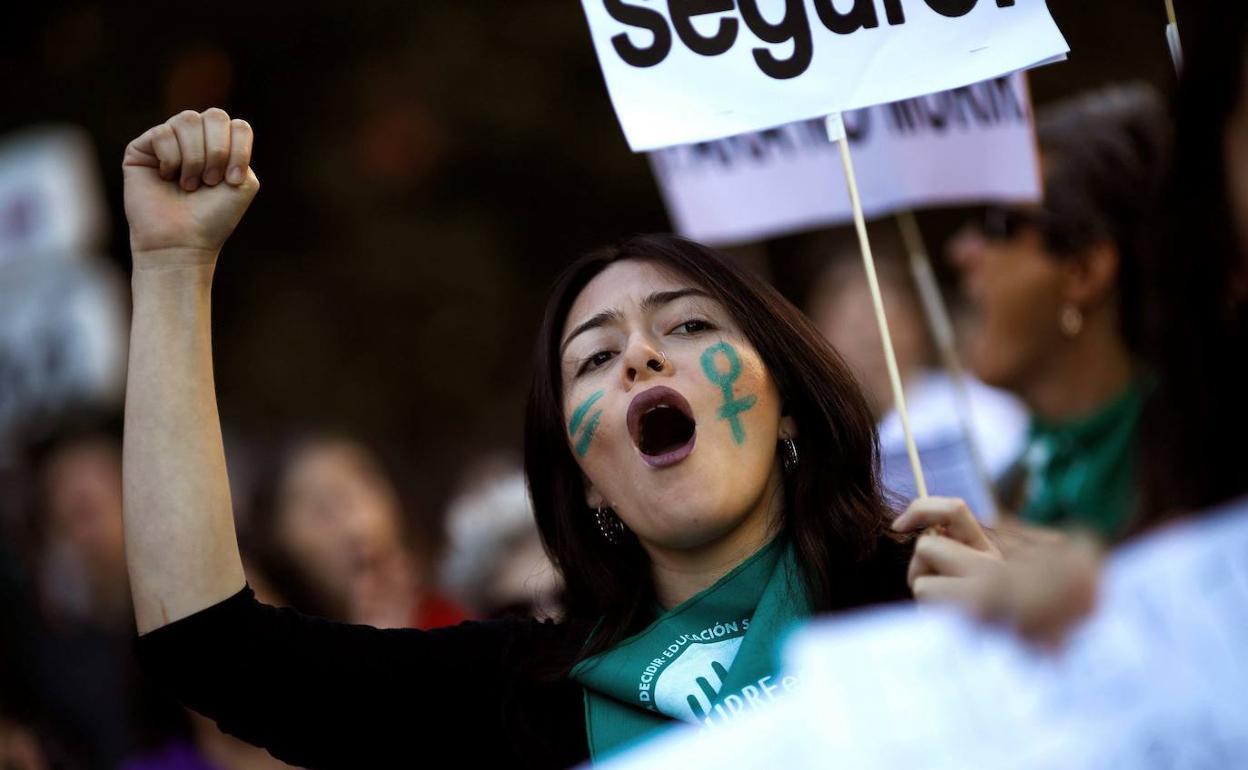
column 664, row 429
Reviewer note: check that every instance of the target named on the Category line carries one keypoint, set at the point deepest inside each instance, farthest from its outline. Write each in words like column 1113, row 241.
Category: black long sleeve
column 321, row 694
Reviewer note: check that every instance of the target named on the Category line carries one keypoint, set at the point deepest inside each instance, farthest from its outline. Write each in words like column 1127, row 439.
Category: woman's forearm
column 180, row 543
column 187, row 183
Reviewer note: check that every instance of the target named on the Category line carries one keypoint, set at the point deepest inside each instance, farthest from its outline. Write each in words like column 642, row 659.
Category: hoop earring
column 789, row 459
column 1070, row 320
column 610, row 526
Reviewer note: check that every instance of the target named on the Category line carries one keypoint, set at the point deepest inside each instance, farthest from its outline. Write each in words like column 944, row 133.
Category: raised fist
column 187, row 183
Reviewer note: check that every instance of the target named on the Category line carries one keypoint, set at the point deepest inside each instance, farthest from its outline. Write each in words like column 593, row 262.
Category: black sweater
column 321, row 694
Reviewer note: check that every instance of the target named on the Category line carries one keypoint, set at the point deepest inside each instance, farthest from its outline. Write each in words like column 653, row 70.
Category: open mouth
column 661, row 424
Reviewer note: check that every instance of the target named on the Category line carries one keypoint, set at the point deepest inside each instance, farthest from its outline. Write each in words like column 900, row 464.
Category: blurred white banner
column 684, row 71
column 972, row 145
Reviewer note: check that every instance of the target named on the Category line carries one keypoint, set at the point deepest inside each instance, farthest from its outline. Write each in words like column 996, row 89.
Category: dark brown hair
column 1104, row 156
column 835, row 513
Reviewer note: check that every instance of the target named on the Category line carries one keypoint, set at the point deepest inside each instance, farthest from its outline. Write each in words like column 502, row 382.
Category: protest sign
column 971, row 145
column 681, row 72
column 51, row 199
column 63, row 315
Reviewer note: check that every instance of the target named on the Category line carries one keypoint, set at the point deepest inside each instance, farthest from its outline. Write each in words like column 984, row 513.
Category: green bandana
column 1081, row 472
column 705, row 661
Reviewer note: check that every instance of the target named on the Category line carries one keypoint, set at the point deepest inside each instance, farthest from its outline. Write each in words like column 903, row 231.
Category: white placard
column 51, row 197
column 1155, row 679
column 971, row 145
column 685, row 71
column 63, row 314
column 63, row 330
column 998, row 426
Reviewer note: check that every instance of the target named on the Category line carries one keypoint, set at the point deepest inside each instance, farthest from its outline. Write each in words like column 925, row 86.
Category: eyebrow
column 648, row 305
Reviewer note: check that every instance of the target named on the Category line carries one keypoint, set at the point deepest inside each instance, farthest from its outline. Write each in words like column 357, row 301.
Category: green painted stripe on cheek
column 583, row 410
column 582, row 445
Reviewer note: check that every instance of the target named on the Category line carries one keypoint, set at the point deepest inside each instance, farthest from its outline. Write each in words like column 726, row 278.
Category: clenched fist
column 187, row 183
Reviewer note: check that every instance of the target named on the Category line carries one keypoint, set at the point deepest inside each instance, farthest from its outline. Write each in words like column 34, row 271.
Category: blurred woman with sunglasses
column 1185, row 310
column 1045, row 286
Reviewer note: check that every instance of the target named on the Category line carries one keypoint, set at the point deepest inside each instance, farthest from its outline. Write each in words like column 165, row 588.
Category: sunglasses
column 1005, row 223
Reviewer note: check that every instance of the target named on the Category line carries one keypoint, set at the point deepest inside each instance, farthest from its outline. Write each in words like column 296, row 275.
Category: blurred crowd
column 325, row 528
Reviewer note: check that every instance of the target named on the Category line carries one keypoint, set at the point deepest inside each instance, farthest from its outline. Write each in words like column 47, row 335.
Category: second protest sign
column 971, row 145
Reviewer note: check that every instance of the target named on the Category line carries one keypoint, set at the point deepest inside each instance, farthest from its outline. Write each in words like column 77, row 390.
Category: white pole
column 836, row 132
column 1172, row 37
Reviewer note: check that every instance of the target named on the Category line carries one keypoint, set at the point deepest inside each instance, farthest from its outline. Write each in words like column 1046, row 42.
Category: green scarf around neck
column 704, row 662
column 1081, row 472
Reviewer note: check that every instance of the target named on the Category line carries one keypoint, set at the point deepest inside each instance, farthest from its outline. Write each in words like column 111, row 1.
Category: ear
column 788, row 427
column 593, row 498
column 1092, row 278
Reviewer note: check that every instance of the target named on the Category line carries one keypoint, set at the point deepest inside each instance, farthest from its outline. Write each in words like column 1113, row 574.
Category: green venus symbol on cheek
column 578, row 417
column 732, row 407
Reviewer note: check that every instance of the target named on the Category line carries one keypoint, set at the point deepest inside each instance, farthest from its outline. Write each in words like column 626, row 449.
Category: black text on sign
column 794, row 27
